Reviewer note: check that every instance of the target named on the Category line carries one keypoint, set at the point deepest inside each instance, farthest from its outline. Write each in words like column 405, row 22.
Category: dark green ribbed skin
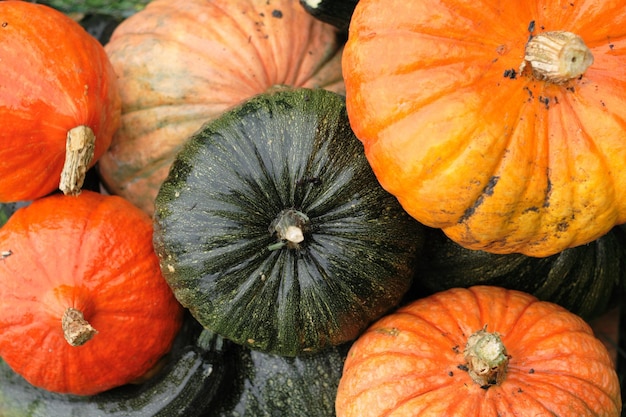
column 581, row 279
column 183, row 388
column 288, row 149
column 122, row 8
column 264, row 385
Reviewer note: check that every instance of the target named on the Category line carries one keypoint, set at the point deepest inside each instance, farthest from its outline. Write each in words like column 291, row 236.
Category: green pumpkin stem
column 80, row 145
column 76, row 329
column 486, row 358
column 289, row 226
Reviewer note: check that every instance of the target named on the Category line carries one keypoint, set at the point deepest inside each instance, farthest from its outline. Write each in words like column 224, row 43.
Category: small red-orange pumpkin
column 58, row 91
column 84, row 305
column 484, row 352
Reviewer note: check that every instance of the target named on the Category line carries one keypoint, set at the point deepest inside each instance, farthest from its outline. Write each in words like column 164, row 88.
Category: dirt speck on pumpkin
column 277, row 14
column 510, row 73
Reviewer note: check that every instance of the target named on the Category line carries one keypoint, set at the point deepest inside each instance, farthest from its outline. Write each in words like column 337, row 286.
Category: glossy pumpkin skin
column 411, row 362
column 262, row 384
column 215, row 226
column 584, row 279
column 183, row 387
column 336, row 12
column 500, row 160
column 50, row 84
column 94, row 253
column 181, row 64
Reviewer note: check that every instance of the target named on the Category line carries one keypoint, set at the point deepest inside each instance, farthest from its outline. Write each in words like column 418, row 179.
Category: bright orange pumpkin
column 484, row 352
column 58, row 97
column 84, row 305
column 184, row 63
column 493, row 120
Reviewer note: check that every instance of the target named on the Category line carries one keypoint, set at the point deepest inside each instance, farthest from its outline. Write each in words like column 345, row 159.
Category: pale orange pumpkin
column 484, row 352
column 503, row 123
column 183, row 63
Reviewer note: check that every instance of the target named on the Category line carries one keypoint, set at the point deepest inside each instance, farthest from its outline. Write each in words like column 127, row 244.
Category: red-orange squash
column 58, row 97
column 503, row 123
column 484, row 352
column 84, row 305
column 184, row 63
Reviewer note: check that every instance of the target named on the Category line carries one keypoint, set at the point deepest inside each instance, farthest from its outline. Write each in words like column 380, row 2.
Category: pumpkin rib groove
column 513, row 324
column 551, row 387
column 85, row 265
column 244, row 32
column 403, row 114
column 512, row 399
column 501, row 165
column 586, row 135
column 407, row 396
column 464, row 20
column 571, row 170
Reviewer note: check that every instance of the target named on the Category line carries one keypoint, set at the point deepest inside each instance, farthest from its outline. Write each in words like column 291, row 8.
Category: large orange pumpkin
column 503, row 123
column 59, row 103
column 184, row 63
column 484, row 352
column 84, row 305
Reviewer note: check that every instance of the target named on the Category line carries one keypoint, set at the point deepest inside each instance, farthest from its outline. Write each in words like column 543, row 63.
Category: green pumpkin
column 582, row 279
column 7, row 210
column 184, row 387
column 273, row 230
column 335, row 12
column 266, row 385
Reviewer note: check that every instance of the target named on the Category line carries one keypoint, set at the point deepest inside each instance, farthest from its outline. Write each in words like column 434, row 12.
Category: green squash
column 184, row 387
column 335, row 12
column 582, row 279
column 273, row 230
column 7, row 210
column 266, row 385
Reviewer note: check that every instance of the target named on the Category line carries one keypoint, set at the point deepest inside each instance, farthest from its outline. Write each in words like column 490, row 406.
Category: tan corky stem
column 486, row 358
column 557, row 56
column 79, row 150
column 76, row 329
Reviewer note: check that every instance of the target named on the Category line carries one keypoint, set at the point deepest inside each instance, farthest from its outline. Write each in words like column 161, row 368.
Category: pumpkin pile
column 312, row 208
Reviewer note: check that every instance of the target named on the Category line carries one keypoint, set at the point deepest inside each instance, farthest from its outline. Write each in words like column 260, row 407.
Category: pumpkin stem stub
column 76, row 329
column 486, row 358
column 557, row 56
column 79, row 151
column 289, row 226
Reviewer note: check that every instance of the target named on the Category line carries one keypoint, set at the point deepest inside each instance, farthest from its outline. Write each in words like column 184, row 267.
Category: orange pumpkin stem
column 79, row 151
column 557, row 57
column 76, row 329
column 486, row 358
